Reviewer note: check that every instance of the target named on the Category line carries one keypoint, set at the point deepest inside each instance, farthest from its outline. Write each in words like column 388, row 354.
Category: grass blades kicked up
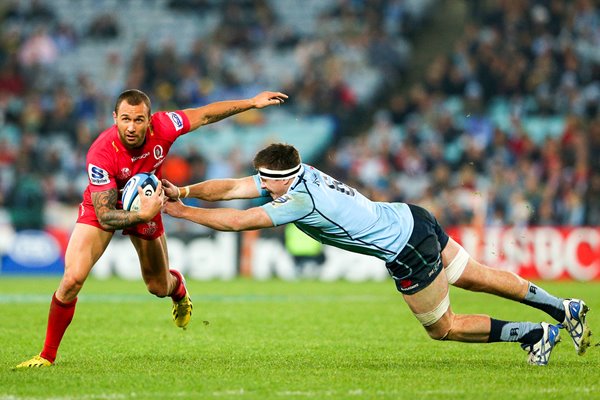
column 277, row 340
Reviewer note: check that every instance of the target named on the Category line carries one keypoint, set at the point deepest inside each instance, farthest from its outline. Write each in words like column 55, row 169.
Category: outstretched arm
column 221, row 219
column 222, row 109
column 214, row 189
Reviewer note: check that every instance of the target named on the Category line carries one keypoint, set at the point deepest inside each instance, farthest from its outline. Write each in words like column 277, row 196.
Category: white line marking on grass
column 112, row 396
column 297, row 393
column 230, row 392
column 144, row 298
column 91, row 298
column 107, row 396
column 444, row 391
column 318, row 394
column 356, row 392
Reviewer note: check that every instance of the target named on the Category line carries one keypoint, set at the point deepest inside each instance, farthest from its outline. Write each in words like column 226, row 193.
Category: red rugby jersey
column 110, row 164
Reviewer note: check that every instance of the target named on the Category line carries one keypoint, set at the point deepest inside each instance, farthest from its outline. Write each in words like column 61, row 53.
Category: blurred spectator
column 177, row 170
column 11, row 80
column 38, row 50
column 104, row 27
column 26, row 198
column 40, row 11
column 65, row 38
column 61, row 118
column 197, row 6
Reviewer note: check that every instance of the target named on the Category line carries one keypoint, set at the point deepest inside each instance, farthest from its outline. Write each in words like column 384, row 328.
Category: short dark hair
column 133, row 97
column 277, row 156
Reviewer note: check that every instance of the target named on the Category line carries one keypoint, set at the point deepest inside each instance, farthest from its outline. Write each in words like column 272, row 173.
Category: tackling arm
column 214, row 189
column 221, row 219
column 222, row 109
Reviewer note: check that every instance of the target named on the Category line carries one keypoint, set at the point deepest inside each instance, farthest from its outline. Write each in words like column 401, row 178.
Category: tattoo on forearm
column 228, row 113
column 109, row 217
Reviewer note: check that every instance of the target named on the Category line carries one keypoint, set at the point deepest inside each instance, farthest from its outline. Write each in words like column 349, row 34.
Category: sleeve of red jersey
column 170, row 124
column 100, row 169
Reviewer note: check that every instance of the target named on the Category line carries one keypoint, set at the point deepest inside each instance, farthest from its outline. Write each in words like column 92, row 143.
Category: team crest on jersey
column 150, row 228
column 158, row 152
column 97, row 175
column 176, row 120
column 281, row 200
column 125, row 173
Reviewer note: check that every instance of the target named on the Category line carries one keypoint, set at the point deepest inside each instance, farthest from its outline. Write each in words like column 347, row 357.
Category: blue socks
column 542, row 300
column 522, row 332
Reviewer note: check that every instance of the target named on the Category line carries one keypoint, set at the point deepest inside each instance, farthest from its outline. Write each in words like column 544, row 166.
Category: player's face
column 276, row 188
column 132, row 124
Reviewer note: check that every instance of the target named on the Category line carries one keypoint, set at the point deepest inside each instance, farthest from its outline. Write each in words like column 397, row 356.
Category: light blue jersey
column 338, row 215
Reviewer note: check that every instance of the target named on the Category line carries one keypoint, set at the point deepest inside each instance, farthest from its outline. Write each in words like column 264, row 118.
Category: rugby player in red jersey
column 138, row 142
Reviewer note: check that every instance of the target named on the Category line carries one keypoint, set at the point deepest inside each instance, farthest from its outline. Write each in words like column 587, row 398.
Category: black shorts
column 420, row 261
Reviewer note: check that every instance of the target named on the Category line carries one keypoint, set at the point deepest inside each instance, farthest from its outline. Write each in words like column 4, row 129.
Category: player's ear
column 114, row 117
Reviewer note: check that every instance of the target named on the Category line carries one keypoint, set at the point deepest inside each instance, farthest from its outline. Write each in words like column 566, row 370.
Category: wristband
column 187, row 191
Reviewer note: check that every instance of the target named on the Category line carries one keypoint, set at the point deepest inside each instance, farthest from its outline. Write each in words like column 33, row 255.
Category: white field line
column 143, row 298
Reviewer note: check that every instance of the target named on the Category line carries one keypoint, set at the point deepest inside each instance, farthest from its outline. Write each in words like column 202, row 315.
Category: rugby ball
column 130, row 196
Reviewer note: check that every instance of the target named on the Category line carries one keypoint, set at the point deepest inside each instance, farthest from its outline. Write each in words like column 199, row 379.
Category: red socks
column 59, row 318
column 179, row 291
column 61, row 315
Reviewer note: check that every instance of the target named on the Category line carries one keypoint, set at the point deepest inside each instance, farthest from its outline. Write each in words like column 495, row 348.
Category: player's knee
column 442, row 329
column 72, row 283
column 440, row 333
column 438, row 321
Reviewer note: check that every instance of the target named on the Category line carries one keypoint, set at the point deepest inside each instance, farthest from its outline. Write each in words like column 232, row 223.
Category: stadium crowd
column 504, row 127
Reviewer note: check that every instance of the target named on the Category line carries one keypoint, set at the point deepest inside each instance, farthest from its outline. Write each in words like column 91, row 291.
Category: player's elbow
column 104, row 224
column 240, row 221
column 237, row 224
column 107, row 227
column 109, row 224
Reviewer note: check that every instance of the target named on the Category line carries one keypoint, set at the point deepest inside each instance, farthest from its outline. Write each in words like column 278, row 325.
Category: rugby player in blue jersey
column 408, row 238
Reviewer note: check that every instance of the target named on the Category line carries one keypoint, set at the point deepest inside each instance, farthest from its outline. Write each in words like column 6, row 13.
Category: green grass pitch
column 277, row 340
